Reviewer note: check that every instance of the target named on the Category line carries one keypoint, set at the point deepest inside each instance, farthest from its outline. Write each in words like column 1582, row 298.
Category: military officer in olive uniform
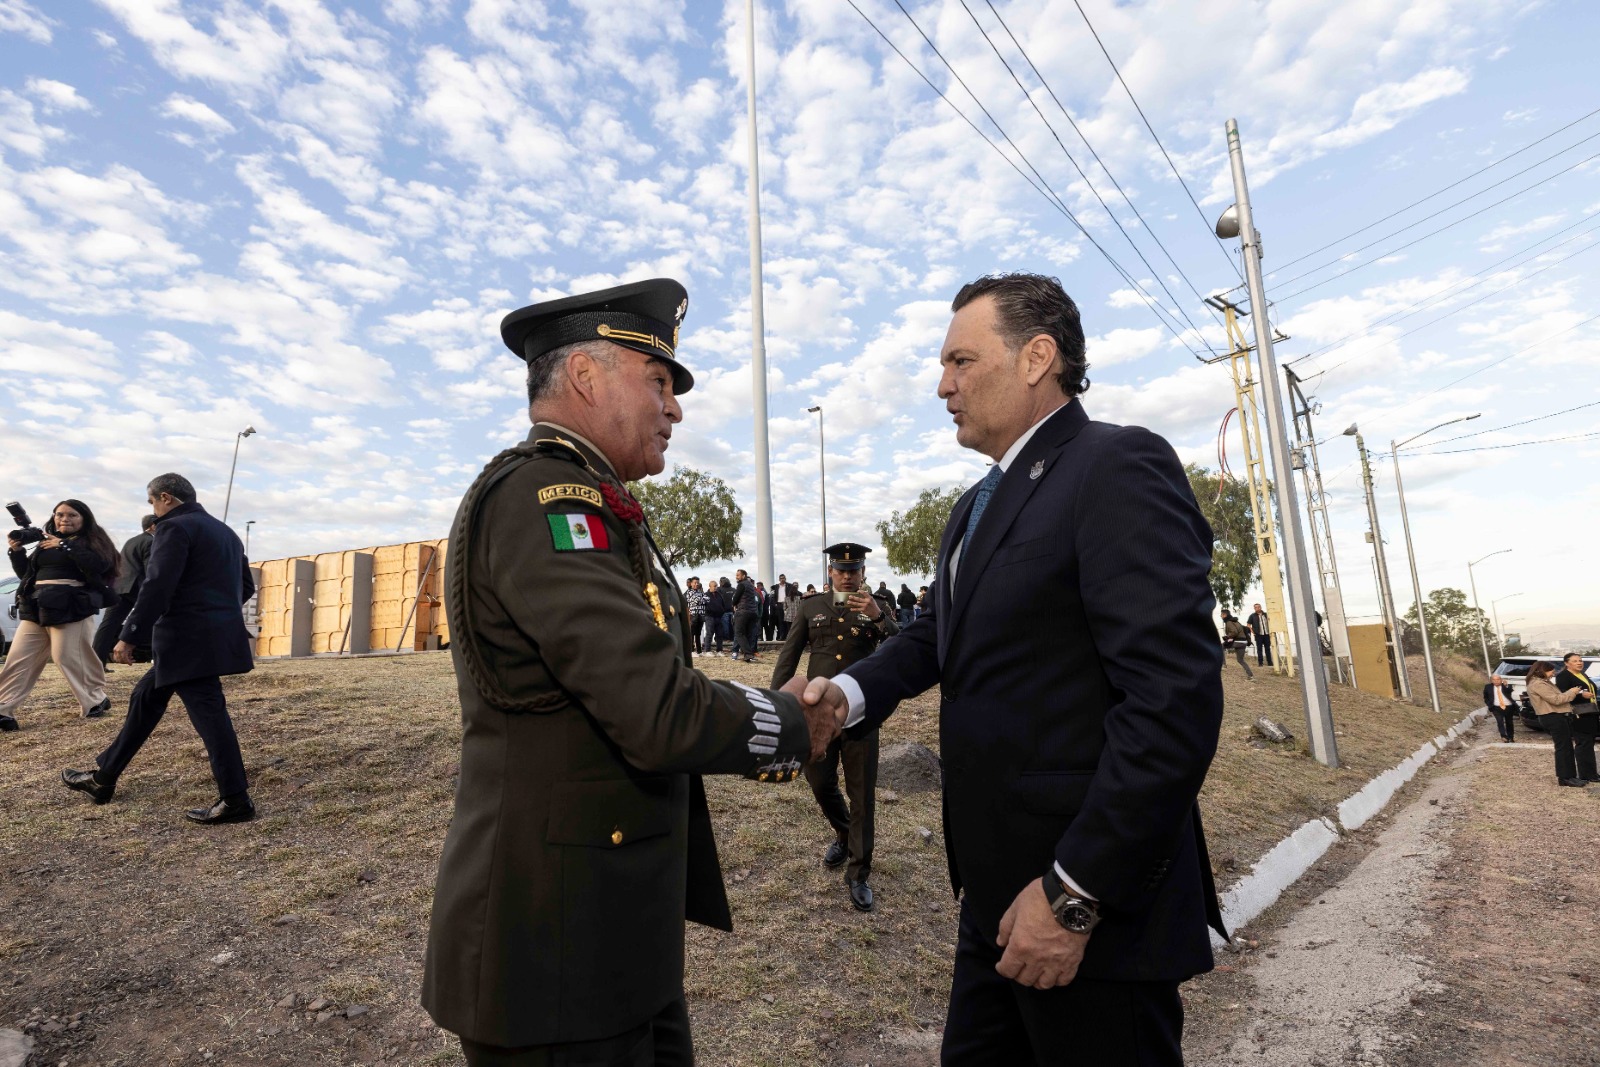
column 840, row 628
column 581, row 839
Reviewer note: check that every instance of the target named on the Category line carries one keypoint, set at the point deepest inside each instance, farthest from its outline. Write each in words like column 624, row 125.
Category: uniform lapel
column 1013, row 492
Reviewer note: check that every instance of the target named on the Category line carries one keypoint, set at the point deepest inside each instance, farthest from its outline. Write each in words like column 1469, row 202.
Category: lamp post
column 240, row 436
column 1478, row 620
column 1238, row 221
column 1494, row 610
column 247, row 526
column 1411, row 555
column 822, row 464
column 1381, row 567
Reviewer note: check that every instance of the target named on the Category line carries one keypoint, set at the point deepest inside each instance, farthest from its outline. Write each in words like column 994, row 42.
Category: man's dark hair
column 176, row 486
column 147, row 522
column 1028, row 305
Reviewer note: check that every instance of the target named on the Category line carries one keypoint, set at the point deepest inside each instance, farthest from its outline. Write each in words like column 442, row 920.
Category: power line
column 1086, row 143
column 1042, row 185
column 1510, row 425
column 1431, row 233
column 1436, row 192
column 1157, row 137
column 1468, row 304
column 1446, row 294
column 1513, row 444
column 1513, row 355
column 1109, row 212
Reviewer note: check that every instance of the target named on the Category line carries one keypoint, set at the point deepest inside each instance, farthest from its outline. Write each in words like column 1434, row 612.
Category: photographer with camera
column 63, row 587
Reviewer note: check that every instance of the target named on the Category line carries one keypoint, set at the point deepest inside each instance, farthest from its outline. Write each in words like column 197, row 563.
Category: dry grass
column 117, row 911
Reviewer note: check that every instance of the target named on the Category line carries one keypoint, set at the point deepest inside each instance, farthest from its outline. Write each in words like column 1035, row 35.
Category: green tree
column 1454, row 625
column 1234, row 562
column 693, row 516
column 911, row 540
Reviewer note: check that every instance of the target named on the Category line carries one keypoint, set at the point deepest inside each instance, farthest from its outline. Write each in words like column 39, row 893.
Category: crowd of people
column 715, row 611
column 1563, row 697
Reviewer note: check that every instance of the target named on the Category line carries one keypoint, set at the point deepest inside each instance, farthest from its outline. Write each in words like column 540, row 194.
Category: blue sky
column 310, row 216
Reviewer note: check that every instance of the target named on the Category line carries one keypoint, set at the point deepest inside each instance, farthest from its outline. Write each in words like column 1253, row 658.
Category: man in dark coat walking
column 135, row 558
column 189, row 613
column 1069, row 633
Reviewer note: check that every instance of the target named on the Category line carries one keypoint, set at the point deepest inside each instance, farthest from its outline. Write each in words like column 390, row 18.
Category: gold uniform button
column 840, row 656
column 841, row 637
column 616, row 837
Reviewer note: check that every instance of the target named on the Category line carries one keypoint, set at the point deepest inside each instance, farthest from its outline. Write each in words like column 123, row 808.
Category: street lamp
column 822, row 463
column 1494, row 609
column 1411, row 555
column 247, row 526
column 240, row 436
column 1478, row 620
column 1381, row 565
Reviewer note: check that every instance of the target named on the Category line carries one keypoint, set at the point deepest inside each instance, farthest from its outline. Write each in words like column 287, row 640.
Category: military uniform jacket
column 581, row 839
column 834, row 637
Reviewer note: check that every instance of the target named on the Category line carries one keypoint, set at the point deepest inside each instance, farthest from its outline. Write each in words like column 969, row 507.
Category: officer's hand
column 1038, row 952
column 123, row 653
column 865, row 603
column 826, row 709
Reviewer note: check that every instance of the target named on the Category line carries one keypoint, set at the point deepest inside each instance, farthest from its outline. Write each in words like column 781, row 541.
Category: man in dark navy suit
column 1069, row 632
column 189, row 613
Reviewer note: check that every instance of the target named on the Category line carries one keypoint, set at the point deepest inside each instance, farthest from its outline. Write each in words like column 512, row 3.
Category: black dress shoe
column 8, row 724
column 223, row 811
column 835, row 855
column 86, row 782
column 1576, row 783
column 860, row 894
column 99, row 710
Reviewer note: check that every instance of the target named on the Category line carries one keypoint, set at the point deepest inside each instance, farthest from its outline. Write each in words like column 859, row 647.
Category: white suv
column 1514, row 669
column 8, row 607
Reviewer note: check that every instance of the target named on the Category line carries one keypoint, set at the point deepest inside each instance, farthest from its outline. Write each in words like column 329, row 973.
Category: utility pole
column 758, row 332
column 1313, row 679
column 1477, row 618
column 822, row 465
column 1402, row 684
column 1321, row 528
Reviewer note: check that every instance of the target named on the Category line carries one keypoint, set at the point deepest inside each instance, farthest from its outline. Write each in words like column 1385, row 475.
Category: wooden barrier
column 373, row 589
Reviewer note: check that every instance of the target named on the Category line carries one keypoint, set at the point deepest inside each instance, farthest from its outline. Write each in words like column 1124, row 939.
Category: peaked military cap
column 644, row 316
column 847, row 556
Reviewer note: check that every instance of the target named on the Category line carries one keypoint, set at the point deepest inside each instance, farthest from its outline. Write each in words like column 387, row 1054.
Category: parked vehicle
column 8, row 611
column 1514, row 669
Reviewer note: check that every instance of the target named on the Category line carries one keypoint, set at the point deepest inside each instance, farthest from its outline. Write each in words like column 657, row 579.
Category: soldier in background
column 581, row 839
column 840, row 628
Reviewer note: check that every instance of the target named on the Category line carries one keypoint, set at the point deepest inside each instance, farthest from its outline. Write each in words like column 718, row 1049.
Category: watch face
column 1077, row 918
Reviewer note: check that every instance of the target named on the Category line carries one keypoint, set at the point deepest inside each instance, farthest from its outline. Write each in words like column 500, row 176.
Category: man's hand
column 1038, row 952
column 826, row 710
column 865, row 603
column 123, row 653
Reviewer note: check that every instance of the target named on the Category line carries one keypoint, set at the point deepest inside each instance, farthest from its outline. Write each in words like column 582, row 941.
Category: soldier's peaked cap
column 644, row 316
column 847, row 556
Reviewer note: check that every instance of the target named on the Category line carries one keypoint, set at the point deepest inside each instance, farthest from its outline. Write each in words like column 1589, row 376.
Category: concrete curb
column 1289, row 859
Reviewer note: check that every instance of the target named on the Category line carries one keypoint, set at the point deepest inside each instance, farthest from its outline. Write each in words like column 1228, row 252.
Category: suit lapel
column 942, row 588
column 1016, row 487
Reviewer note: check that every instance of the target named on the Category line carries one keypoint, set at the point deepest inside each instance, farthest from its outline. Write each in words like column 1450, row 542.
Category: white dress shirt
column 852, row 689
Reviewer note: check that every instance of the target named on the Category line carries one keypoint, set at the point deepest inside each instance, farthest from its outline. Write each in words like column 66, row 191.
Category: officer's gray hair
column 544, row 373
column 176, row 486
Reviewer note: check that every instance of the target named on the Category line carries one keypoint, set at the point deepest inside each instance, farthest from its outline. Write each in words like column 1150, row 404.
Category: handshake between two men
column 825, row 707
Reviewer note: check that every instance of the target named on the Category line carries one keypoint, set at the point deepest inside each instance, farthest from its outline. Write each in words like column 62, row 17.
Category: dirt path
column 1459, row 930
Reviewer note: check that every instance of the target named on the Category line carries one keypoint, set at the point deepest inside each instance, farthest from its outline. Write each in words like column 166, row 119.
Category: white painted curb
column 1289, row 859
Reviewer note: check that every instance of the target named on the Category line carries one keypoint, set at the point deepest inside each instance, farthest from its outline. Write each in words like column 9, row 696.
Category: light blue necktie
column 981, row 501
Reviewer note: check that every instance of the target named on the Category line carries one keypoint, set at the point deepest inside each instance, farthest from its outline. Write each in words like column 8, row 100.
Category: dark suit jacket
column 1581, row 704
column 188, row 611
column 1080, row 692
column 1488, row 697
column 135, row 558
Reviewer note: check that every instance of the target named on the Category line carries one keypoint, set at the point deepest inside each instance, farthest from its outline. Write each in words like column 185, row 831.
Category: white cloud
column 242, row 51
column 1124, row 346
column 19, row 16
column 57, row 96
column 37, row 347
column 188, row 109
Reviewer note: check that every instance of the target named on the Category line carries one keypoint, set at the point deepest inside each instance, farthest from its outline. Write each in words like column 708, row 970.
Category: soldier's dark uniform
column 581, row 839
column 836, row 637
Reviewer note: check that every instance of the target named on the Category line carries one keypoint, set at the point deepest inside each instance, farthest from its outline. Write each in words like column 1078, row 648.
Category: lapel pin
column 1038, row 469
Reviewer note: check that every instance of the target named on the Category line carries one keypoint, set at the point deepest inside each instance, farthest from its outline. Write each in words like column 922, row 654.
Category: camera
column 26, row 532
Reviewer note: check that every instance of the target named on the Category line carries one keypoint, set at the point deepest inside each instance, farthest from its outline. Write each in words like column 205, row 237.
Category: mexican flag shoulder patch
column 578, row 532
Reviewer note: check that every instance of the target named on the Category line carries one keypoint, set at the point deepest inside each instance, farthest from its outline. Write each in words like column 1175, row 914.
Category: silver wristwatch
column 1076, row 914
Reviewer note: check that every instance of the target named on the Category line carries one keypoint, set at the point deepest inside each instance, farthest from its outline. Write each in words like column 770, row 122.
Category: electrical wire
column 1464, row 307
column 1086, row 143
column 1175, row 173
column 1436, row 192
column 1431, row 233
column 1508, row 426
column 1109, row 212
column 1518, row 352
column 1041, row 186
column 1445, row 293
column 1513, row 444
